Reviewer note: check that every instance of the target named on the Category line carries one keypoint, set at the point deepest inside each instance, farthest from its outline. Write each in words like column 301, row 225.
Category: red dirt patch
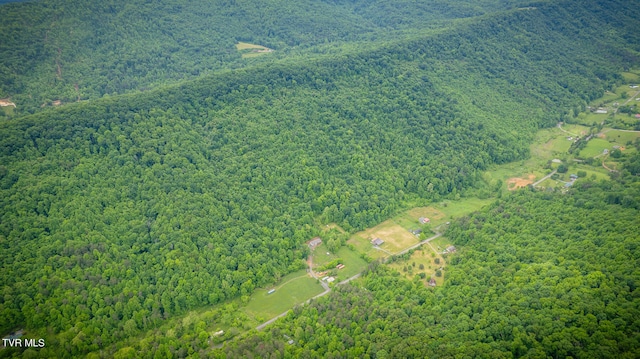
column 517, row 182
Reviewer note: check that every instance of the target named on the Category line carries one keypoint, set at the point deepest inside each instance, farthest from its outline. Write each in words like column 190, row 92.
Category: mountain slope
column 121, row 212
column 69, row 51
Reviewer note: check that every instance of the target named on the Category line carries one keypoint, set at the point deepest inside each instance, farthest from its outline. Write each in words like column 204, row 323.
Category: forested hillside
column 57, row 50
column 121, row 212
column 541, row 275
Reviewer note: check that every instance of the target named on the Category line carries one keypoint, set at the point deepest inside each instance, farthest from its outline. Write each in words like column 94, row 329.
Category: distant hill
column 54, row 50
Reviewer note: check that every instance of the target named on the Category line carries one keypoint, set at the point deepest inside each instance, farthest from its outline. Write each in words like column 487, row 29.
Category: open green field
column 353, row 264
column 595, row 147
column 589, row 118
column 459, row 208
column 321, row 256
column 352, row 261
column 296, row 288
column 631, row 76
column 621, row 137
column 440, row 243
column 576, row 129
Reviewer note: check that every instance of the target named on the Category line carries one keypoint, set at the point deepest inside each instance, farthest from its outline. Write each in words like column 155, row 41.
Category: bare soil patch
column 5, row 102
column 518, row 182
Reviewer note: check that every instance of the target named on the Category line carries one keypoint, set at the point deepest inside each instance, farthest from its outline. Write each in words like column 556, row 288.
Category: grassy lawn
column 353, row 264
column 440, row 243
column 621, row 137
column 248, row 46
column 320, row 256
column 331, row 226
column 588, row 118
column 595, row 147
column 457, row 209
column 294, row 289
column 363, row 245
column 576, row 129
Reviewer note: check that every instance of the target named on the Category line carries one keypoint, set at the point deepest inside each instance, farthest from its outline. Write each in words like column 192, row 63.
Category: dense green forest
column 540, row 276
column 124, row 211
column 56, row 50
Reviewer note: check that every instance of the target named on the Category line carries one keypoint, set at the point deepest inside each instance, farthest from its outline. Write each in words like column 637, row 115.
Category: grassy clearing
column 621, row 137
column 252, row 50
column 576, row 129
column 295, row 290
column 588, row 118
column 395, row 237
column 331, row 226
column 631, row 77
column 353, row 264
column 363, row 245
column 457, row 209
column 248, row 46
column 595, row 147
column 322, row 256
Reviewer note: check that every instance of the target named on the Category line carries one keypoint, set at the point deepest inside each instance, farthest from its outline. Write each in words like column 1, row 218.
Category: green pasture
column 631, row 77
column 589, row 118
column 353, row 264
column 462, row 207
column 621, row 137
column 296, row 288
column 595, row 147
column 440, row 243
column 363, row 245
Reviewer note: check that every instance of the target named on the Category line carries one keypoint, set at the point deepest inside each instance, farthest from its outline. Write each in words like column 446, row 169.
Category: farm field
column 621, row 138
column 595, row 147
column 294, row 289
column 395, row 237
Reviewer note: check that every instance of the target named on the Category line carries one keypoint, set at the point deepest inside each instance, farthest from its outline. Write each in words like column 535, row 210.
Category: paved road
column 544, row 178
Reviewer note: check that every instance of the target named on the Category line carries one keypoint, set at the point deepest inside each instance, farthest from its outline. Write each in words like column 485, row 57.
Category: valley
column 383, row 179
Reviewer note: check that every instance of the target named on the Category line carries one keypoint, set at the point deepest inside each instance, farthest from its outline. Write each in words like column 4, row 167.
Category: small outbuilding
column 377, row 242
column 432, row 282
column 314, row 242
column 424, row 220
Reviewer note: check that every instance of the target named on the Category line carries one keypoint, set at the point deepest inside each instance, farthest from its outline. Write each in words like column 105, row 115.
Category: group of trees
column 119, row 213
column 538, row 275
column 56, row 50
